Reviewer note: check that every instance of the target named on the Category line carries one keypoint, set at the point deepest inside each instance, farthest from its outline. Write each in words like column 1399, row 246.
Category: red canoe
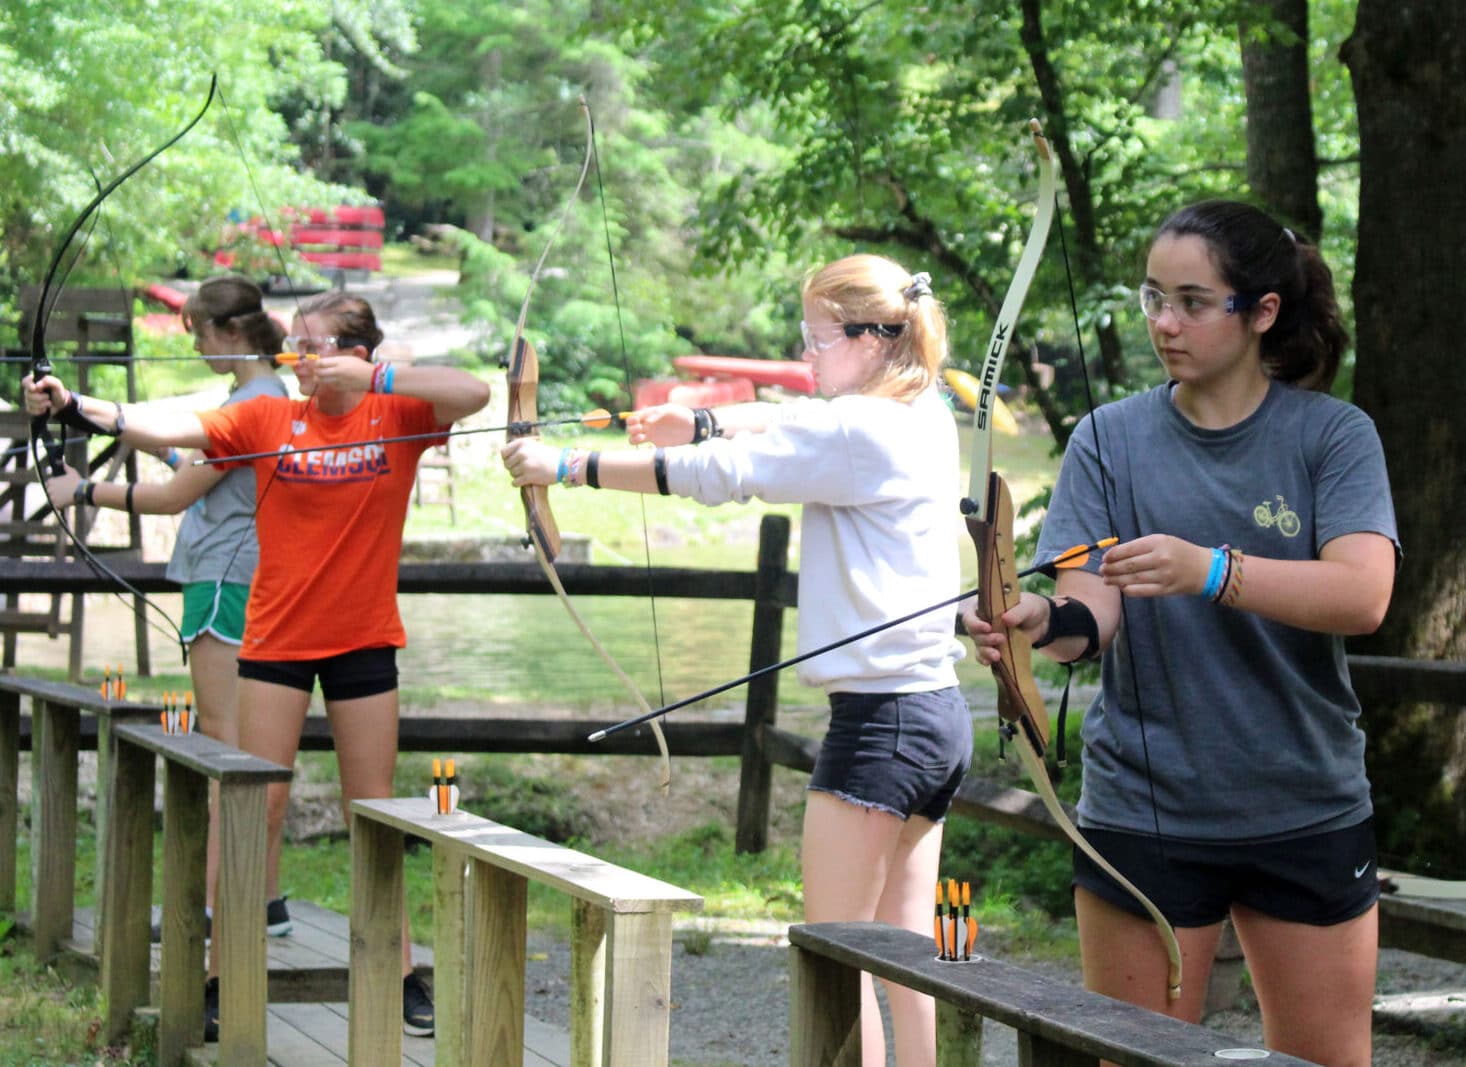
column 797, row 377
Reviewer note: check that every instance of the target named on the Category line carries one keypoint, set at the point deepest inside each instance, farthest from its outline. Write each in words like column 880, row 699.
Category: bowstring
column 626, row 367
column 1107, row 476
column 234, row 136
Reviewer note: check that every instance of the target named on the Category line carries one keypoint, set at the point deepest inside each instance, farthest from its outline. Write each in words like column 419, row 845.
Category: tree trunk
column 1405, row 57
column 1282, row 166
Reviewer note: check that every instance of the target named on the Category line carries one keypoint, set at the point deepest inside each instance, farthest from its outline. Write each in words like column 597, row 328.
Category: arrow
column 598, row 419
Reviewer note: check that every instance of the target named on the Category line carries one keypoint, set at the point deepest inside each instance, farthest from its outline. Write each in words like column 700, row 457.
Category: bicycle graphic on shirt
column 1285, row 518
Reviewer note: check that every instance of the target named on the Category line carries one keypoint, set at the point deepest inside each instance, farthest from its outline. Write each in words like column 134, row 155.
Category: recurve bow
column 988, row 508
column 522, row 376
column 46, row 449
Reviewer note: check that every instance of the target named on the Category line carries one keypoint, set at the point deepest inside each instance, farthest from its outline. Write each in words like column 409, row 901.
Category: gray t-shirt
column 218, row 528
column 1250, row 725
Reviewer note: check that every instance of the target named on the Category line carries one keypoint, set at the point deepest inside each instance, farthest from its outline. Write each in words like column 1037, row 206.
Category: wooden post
column 638, row 989
column 959, row 1037
column 496, row 967
column 126, row 958
column 824, row 1011
column 587, row 983
column 1035, row 1051
column 55, row 738
column 185, row 845
column 375, row 1027
column 239, row 924
column 755, row 771
column 9, row 798
column 450, row 935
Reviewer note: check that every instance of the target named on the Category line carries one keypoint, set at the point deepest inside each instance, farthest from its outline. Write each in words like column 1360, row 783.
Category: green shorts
column 215, row 608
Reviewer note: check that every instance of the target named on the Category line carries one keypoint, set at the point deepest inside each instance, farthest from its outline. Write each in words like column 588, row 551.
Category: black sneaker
column 211, row 1010
column 277, row 918
column 417, row 1007
column 277, row 922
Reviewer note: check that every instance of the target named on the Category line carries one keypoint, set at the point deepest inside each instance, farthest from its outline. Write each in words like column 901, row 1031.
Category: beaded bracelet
column 377, row 373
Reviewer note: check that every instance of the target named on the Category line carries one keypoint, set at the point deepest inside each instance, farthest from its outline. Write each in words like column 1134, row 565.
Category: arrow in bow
column 522, row 376
column 988, row 508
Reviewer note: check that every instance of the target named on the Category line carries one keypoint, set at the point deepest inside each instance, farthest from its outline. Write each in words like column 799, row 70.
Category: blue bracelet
column 1214, row 577
column 387, row 377
column 563, row 470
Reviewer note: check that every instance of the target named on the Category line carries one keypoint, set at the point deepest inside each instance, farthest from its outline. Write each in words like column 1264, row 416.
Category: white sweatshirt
column 879, row 482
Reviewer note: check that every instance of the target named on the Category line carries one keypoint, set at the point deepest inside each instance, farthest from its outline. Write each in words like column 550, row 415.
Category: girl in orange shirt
column 324, row 599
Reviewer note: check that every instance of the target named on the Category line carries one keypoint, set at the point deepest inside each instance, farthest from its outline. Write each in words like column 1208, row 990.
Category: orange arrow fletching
column 598, row 419
column 1078, row 556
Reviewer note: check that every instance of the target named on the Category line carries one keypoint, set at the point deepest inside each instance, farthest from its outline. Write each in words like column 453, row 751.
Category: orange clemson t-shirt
column 329, row 522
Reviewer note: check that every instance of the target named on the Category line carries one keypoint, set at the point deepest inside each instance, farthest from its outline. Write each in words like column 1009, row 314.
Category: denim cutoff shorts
column 903, row 753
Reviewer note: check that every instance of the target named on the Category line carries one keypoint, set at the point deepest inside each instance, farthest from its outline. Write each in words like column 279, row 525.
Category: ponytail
column 1254, row 254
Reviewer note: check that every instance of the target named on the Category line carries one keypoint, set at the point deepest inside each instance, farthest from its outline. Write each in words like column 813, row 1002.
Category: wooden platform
column 308, row 982
column 314, row 1035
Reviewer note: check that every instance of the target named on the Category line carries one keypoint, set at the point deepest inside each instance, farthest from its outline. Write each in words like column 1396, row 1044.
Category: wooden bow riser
column 523, row 379
column 1019, row 701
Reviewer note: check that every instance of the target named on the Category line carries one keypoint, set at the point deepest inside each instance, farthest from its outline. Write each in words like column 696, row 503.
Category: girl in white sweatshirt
column 875, row 466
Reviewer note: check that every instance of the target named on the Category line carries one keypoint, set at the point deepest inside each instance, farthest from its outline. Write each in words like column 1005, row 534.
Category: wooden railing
column 190, row 762
column 55, row 720
column 1057, row 1024
column 621, row 941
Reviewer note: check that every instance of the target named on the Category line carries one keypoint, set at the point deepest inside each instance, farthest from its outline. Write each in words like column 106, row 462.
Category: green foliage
column 1005, row 865
column 45, row 1019
column 765, row 885
column 129, row 75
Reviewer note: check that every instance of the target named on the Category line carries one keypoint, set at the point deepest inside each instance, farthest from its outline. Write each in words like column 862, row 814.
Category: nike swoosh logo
column 1359, row 871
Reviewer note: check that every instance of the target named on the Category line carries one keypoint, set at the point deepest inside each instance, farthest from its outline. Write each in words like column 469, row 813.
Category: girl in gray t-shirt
column 1224, row 764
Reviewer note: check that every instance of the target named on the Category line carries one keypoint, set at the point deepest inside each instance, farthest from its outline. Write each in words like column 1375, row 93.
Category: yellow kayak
column 965, row 386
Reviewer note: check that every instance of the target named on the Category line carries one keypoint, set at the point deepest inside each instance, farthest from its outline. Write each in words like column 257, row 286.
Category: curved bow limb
column 988, row 508
column 47, row 450
column 522, row 376
column 1020, row 704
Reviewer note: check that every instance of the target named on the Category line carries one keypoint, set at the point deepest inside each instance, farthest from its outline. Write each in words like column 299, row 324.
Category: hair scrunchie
column 921, row 285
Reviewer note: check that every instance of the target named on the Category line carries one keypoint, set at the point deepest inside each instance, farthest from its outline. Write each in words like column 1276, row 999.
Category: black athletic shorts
column 1319, row 879
column 363, row 672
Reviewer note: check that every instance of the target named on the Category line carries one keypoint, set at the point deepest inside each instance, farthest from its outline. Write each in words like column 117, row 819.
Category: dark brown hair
column 350, row 316
column 231, row 302
column 1255, row 255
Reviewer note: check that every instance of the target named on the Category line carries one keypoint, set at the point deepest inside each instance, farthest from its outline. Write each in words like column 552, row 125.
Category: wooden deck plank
column 315, row 1035
column 307, row 966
